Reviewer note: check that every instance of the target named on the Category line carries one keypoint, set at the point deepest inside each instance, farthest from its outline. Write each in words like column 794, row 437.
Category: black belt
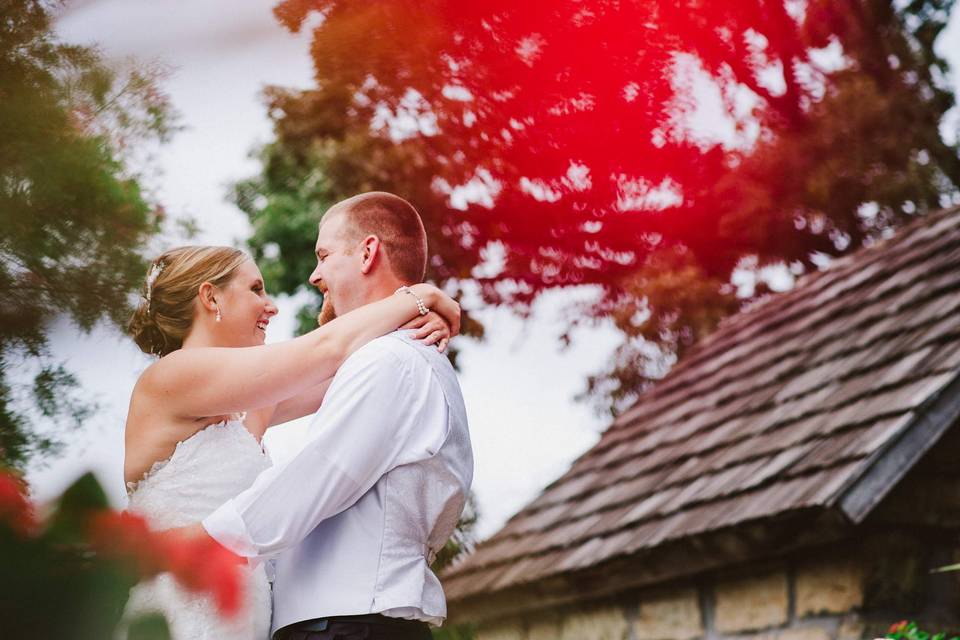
column 322, row 624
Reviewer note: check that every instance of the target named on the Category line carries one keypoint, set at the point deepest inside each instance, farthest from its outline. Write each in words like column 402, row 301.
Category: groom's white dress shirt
column 356, row 517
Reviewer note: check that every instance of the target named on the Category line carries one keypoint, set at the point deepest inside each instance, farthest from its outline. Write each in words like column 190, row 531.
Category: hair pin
column 155, row 270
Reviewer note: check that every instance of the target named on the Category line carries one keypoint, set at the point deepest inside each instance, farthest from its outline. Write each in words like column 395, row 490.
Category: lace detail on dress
column 133, row 485
column 204, row 471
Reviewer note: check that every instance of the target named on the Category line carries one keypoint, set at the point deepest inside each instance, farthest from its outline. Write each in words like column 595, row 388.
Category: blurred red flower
column 200, row 565
column 16, row 511
column 126, row 537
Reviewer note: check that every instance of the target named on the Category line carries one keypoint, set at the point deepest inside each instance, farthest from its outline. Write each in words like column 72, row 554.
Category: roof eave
column 677, row 560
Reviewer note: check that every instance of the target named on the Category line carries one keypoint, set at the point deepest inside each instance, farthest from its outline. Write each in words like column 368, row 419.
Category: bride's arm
column 429, row 329
column 300, row 405
column 217, row 381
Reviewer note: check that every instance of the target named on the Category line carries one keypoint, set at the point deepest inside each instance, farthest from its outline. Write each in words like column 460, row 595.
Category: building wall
column 829, row 594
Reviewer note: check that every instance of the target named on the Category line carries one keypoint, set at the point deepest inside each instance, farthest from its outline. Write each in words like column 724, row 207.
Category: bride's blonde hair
column 163, row 318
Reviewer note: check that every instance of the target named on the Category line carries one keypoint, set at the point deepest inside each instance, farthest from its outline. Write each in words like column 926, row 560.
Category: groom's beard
column 327, row 312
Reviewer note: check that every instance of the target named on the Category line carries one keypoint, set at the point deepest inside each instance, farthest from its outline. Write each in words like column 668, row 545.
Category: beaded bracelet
column 422, row 308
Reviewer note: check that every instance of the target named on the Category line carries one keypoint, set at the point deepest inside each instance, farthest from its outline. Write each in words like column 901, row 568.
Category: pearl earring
column 219, row 317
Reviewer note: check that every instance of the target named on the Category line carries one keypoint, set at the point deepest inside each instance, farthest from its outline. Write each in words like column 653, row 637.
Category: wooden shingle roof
column 818, row 399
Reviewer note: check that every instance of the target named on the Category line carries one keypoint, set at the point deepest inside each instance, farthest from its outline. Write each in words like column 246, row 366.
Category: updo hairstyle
column 164, row 317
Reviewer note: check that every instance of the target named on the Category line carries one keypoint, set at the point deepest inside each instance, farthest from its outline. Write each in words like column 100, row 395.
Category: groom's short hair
column 398, row 225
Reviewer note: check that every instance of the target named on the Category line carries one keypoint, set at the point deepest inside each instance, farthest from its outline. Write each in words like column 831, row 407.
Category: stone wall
column 817, row 597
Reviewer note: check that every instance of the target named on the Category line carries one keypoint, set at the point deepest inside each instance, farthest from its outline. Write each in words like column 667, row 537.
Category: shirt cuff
column 227, row 527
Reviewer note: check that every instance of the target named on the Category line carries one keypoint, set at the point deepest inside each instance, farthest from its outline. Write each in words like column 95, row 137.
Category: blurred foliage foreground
column 68, row 575
column 74, row 213
column 905, row 630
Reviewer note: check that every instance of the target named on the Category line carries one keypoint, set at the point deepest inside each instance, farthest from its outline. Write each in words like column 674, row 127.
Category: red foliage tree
column 569, row 123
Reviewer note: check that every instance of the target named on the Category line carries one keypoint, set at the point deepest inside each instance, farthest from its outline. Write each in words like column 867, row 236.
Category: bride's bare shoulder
column 160, row 373
column 152, row 426
column 151, row 392
column 143, row 402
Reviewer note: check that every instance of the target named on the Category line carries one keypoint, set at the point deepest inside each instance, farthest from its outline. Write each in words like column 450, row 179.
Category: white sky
column 518, row 384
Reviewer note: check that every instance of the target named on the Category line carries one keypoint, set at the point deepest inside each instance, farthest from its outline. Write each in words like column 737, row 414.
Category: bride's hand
column 431, row 329
column 445, row 306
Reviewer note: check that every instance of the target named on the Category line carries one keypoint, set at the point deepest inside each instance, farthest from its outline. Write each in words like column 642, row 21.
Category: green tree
column 569, row 124
column 73, row 214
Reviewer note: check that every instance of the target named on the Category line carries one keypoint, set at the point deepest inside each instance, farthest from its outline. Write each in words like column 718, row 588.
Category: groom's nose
column 314, row 278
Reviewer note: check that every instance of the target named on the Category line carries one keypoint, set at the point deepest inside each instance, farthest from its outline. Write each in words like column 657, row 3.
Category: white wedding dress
column 204, row 471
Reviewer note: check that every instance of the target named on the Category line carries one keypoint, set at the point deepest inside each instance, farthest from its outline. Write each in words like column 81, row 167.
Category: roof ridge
column 676, row 380
column 835, row 269
column 815, row 363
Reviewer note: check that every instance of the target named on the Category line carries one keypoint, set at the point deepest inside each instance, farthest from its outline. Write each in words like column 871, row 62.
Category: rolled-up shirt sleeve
column 371, row 421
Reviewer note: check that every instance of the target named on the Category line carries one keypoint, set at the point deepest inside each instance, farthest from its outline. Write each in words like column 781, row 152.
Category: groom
column 356, row 517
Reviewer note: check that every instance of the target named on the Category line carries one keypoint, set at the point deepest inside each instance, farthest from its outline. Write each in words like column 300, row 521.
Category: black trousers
column 366, row 627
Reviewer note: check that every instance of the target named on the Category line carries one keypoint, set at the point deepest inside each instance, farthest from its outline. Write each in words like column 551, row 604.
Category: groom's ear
column 369, row 253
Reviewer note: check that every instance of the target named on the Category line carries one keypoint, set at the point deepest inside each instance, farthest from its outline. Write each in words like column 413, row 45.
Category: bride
column 197, row 414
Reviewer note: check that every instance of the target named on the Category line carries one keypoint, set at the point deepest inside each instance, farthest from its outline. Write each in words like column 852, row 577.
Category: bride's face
column 245, row 308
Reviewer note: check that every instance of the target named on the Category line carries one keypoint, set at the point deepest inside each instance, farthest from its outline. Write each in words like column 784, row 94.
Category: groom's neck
column 378, row 290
